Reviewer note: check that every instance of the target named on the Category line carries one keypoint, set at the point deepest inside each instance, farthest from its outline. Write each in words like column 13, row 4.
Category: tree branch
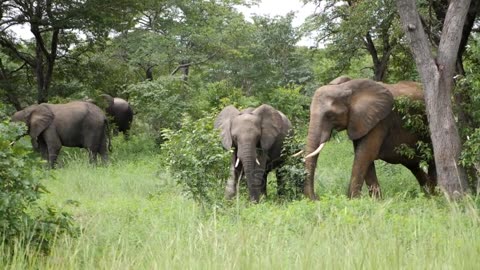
column 191, row 64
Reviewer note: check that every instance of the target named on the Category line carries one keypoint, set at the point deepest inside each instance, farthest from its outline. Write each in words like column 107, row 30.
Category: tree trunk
column 437, row 78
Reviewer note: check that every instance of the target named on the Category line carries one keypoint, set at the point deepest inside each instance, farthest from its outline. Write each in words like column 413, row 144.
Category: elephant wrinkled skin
column 256, row 136
column 75, row 124
column 364, row 108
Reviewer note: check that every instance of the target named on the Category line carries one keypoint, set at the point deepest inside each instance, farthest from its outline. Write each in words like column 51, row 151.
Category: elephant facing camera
column 256, row 137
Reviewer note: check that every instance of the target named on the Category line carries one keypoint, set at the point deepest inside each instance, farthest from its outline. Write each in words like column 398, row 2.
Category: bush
column 159, row 103
column 467, row 92
column 292, row 103
column 22, row 220
column 197, row 160
column 415, row 120
column 218, row 95
column 293, row 170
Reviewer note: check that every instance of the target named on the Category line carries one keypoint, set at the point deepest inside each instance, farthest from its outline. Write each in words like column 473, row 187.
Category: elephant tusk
column 297, row 154
column 316, row 152
column 237, row 162
column 258, row 162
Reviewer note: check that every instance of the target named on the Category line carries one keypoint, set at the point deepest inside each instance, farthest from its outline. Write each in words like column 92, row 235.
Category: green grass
column 132, row 215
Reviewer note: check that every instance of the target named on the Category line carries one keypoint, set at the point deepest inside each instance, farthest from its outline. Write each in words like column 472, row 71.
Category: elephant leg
column 264, row 184
column 42, row 147
column 281, row 189
column 95, row 142
column 423, row 179
column 232, row 182
column 372, row 182
column 366, row 151
column 53, row 144
column 92, row 156
column 126, row 135
column 103, row 151
column 432, row 177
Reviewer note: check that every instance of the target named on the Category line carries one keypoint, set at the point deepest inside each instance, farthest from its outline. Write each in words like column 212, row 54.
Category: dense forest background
column 170, row 59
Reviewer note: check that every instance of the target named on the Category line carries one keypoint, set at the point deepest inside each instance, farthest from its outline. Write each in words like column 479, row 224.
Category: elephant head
column 37, row 118
column 252, row 134
column 353, row 105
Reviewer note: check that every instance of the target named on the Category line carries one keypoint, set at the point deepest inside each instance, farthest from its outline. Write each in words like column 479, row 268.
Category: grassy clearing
column 133, row 216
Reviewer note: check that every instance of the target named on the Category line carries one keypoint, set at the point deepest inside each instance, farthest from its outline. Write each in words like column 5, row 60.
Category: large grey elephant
column 256, row 136
column 364, row 108
column 75, row 124
column 121, row 112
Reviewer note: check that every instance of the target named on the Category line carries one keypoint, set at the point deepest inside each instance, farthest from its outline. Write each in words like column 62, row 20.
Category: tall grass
column 133, row 216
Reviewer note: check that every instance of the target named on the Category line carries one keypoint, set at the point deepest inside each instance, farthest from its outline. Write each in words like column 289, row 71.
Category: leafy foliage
column 197, row 160
column 414, row 118
column 293, row 170
column 160, row 103
column 352, row 29
column 22, row 220
column 291, row 102
column 413, row 113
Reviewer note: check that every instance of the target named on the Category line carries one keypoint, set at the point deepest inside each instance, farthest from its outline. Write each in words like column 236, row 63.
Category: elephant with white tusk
column 365, row 109
column 256, row 136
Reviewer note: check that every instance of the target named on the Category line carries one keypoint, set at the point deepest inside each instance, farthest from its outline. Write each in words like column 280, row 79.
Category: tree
column 55, row 25
column 182, row 34
column 437, row 76
column 353, row 26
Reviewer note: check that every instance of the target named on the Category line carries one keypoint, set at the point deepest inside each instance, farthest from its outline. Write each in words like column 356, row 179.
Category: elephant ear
column 369, row 104
column 224, row 122
column 38, row 120
column 272, row 123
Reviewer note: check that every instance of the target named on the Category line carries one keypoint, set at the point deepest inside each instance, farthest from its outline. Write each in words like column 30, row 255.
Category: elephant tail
column 108, row 135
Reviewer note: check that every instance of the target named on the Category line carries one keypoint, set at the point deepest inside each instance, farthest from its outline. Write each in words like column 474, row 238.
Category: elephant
column 365, row 109
column 256, row 136
column 74, row 124
column 121, row 112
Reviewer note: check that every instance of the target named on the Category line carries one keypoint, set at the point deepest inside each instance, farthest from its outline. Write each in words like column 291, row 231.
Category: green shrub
column 292, row 103
column 22, row 220
column 293, row 170
column 415, row 119
column 467, row 93
column 197, row 160
column 159, row 103
column 470, row 158
column 218, row 95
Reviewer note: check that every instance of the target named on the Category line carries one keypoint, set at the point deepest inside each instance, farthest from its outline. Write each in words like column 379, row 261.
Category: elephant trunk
column 253, row 173
column 317, row 136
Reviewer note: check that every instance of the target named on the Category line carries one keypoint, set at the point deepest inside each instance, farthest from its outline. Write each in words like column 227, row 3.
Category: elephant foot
column 353, row 193
column 230, row 193
column 355, row 189
column 375, row 192
column 429, row 190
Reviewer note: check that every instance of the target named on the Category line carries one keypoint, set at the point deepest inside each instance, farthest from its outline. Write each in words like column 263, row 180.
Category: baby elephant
column 256, row 136
column 121, row 112
column 74, row 124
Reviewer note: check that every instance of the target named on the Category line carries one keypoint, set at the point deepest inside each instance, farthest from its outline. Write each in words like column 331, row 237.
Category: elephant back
column 409, row 89
column 120, row 104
